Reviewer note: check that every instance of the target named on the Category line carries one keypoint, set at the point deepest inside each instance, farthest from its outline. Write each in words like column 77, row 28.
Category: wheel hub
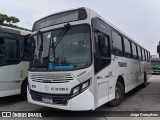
column 117, row 93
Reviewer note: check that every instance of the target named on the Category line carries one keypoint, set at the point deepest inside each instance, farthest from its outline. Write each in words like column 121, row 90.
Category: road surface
column 139, row 99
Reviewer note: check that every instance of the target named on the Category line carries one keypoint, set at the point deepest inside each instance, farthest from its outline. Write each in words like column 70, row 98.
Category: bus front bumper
column 83, row 101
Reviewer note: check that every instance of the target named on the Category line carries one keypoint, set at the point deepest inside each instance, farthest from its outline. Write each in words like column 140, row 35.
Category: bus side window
column 117, row 43
column 146, row 55
column 143, row 54
column 9, row 53
column 103, row 45
column 134, row 50
column 139, row 53
column 127, row 47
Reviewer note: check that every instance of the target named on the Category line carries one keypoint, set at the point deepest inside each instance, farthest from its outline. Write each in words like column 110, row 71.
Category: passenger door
column 102, row 59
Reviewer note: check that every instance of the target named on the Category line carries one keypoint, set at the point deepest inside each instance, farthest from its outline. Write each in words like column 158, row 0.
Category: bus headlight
column 81, row 87
column 76, row 90
column 85, row 84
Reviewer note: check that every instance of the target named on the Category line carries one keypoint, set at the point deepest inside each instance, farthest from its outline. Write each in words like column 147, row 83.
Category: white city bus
column 80, row 62
column 14, row 61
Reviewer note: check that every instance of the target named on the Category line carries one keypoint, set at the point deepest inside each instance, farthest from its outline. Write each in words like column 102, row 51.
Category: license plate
column 47, row 100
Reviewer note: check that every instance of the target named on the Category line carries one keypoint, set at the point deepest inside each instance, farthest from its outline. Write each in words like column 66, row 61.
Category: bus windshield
column 72, row 51
column 155, row 64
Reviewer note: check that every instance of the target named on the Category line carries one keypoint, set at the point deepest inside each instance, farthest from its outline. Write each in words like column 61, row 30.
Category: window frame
column 26, row 46
column 134, row 56
column 18, row 52
column 125, row 53
column 115, row 50
column 143, row 56
column 139, row 57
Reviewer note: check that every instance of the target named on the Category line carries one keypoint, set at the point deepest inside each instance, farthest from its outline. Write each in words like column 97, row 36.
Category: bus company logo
column 46, row 87
column 122, row 64
column 6, row 114
column 21, row 115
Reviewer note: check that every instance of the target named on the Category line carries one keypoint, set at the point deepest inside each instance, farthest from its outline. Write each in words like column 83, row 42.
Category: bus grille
column 57, row 99
column 51, row 78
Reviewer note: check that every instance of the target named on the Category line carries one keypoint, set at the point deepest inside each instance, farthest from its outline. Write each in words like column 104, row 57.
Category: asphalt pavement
column 139, row 99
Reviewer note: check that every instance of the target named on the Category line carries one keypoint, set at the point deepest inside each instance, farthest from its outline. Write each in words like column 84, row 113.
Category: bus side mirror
column 158, row 49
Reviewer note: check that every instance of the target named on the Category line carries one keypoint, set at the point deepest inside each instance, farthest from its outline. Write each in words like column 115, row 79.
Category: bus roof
column 13, row 30
column 61, row 12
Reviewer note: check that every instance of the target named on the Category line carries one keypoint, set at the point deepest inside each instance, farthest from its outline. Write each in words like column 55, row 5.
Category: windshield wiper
column 39, row 34
column 32, row 51
column 61, row 34
column 53, row 44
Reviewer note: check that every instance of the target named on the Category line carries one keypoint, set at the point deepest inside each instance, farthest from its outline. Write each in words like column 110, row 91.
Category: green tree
column 14, row 19
column 10, row 21
column 3, row 18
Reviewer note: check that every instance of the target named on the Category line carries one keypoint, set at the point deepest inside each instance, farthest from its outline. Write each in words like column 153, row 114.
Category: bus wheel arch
column 24, row 88
column 119, row 92
column 121, row 80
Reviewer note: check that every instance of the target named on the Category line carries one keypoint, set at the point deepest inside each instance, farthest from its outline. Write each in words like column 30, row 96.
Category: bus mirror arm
column 158, row 50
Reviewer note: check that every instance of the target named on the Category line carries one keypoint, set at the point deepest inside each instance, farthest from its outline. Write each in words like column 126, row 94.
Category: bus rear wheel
column 119, row 95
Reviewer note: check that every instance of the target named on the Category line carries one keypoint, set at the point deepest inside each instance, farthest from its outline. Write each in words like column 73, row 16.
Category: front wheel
column 119, row 95
column 24, row 90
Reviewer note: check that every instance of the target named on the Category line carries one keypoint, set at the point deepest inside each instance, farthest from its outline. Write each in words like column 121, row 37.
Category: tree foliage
column 10, row 21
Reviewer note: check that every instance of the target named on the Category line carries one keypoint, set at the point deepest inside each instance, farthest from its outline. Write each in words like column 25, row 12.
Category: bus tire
column 145, row 80
column 119, row 95
column 24, row 89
